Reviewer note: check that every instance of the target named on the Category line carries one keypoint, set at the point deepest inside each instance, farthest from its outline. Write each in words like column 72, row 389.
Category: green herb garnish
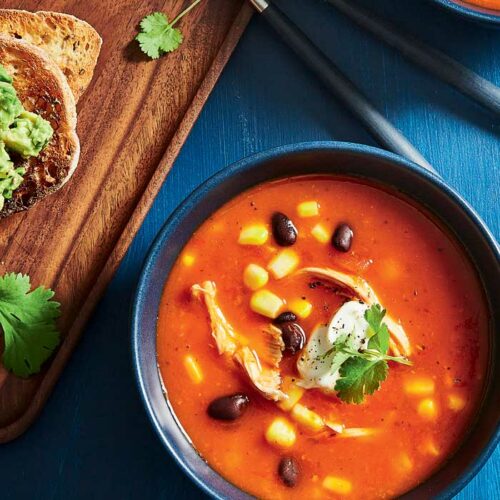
column 358, row 377
column 158, row 36
column 364, row 370
column 28, row 321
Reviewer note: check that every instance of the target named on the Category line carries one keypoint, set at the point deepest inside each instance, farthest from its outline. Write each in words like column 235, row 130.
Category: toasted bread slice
column 43, row 89
column 72, row 43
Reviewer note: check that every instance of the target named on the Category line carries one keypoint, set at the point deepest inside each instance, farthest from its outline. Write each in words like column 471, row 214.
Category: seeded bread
column 43, row 89
column 73, row 44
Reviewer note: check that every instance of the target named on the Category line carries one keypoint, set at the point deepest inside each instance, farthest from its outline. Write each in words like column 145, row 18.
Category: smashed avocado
column 10, row 177
column 4, row 76
column 10, row 105
column 22, row 133
column 28, row 134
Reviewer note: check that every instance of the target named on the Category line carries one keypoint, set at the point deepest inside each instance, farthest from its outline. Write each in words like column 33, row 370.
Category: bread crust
column 73, row 44
column 42, row 88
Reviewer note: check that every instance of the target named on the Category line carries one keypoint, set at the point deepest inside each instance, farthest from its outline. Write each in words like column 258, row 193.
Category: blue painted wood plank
column 93, row 440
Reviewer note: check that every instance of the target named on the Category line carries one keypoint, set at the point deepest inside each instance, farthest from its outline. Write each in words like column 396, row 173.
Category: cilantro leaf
column 377, row 331
column 154, row 23
column 158, row 35
column 28, row 321
column 358, row 377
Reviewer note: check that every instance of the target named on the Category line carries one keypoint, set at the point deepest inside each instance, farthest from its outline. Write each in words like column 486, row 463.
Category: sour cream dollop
column 317, row 368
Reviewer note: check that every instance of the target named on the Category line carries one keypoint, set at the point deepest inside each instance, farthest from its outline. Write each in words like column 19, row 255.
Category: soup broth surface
column 487, row 4
column 420, row 275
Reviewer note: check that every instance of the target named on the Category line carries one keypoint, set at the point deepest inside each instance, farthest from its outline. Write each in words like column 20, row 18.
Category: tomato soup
column 487, row 4
column 320, row 337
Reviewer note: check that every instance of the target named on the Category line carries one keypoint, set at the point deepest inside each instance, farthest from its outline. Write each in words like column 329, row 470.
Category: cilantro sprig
column 364, row 370
column 28, row 321
column 158, row 36
column 359, row 377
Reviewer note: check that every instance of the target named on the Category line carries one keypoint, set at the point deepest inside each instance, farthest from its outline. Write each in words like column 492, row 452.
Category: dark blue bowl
column 364, row 162
column 470, row 11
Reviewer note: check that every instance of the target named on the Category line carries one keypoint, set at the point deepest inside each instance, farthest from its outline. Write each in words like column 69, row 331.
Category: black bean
column 342, row 238
column 288, row 470
column 284, row 231
column 228, row 407
column 284, row 317
column 293, row 336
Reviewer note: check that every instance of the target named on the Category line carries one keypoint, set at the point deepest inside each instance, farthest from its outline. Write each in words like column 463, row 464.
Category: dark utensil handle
column 429, row 58
column 382, row 130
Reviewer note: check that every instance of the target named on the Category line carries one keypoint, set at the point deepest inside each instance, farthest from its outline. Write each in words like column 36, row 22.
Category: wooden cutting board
column 132, row 122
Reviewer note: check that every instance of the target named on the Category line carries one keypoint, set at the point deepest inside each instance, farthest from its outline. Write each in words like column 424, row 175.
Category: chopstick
column 429, row 58
column 380, row 128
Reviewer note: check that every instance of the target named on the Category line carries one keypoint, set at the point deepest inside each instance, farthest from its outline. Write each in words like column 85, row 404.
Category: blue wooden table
column 93, row 439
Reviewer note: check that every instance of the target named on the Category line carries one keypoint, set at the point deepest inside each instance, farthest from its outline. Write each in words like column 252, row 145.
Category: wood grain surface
column 93, row 439
column 132, row 121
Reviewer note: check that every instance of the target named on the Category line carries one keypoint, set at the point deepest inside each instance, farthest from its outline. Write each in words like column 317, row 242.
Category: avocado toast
column 43, row 90
column 39, row 147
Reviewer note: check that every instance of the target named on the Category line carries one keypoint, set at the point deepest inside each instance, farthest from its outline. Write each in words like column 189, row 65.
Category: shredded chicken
column 358, row 287
column 341, row 431
column 266, row 379
column 275, row 345
column 222, row 331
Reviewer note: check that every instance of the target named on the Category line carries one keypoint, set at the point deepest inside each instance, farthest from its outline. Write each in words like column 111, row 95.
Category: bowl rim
column 473, row 12
column 198, row 194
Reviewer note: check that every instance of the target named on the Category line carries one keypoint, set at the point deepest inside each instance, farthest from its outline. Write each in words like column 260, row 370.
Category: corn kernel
column 283, row 263
column 307, row 417
column 321, row 233
column 188, row 259
column 294, row 393
column 456, row 402
column 429, row 448
column 255, row 276
column 427, row 409
column 281, row 433
column 308, row 209
column 256, row 234
column 357, row 432
column 420, row 386
column 193, row 369
column 300, row 307
column 266, row 303
column 337, row 485
column 405, row 462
